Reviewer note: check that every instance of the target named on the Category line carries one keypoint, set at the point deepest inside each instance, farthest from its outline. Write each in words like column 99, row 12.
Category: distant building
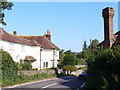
column 110, row 39
column 39, row 50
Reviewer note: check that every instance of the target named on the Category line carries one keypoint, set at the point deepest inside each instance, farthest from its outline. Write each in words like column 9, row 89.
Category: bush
column 69, row 67
column 69, row 59
column 24, row 78
column 9, row 69
column 24, row 65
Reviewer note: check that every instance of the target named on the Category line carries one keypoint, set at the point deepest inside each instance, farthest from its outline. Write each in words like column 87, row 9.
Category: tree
column 94, row 44
column 69, row 59
column 84, row 46
column 3, row 6
column 85, row 52
column 67, row 52
column 79, row 55
column 105, row 69
column 61, row 55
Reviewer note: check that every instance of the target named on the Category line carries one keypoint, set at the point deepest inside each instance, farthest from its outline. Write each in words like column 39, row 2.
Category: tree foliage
column 105, row 68
column 84, row 46
column 61, row 55
column 4, row 5
column 88, row 50
column 69, row 59
column 9, row 68
column 67, row 52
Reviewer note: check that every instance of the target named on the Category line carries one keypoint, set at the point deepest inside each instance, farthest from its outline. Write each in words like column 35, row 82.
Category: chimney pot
column 48, row 35
column 14, row 32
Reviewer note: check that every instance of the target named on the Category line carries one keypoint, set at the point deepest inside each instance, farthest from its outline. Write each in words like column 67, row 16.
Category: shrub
column 69, row 59
column 9, row 69
column 69, row 68
column 24, row 65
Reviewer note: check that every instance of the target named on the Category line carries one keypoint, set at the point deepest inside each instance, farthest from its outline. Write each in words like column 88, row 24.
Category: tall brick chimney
column 48, row 35
column 108, row 14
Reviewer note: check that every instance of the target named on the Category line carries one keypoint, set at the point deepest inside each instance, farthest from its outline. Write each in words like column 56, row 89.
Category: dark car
column 82, row 76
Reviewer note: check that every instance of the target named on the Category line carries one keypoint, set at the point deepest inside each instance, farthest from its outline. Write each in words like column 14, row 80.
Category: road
column 69, row 83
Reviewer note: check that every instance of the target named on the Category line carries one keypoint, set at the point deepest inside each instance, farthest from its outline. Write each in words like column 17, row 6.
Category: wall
column 49, row 56
column 19, row 51
column 32, row 72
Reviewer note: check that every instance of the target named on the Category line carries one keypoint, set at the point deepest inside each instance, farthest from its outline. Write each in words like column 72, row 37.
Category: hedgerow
column 9, row 72
column 8, row 68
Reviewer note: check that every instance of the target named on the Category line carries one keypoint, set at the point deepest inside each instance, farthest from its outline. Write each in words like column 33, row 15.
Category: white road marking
column 30, row 83
column 82, row 85
column 66, row 80
column 56, row 83
column 49, row 85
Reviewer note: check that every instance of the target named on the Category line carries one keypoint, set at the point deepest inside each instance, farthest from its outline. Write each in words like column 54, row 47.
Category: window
column 53, row 64
column 54, row 52
column 43, row 64
column 22, row 48
column 46, row 64
column 11, row 46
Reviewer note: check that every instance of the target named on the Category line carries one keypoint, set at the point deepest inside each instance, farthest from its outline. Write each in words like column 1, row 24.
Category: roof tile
column 41, row 41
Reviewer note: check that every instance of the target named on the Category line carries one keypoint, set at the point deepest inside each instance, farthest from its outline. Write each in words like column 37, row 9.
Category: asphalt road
column 69, row 83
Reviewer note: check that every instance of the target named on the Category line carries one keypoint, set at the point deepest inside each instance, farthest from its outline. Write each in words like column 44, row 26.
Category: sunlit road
column 71, row 83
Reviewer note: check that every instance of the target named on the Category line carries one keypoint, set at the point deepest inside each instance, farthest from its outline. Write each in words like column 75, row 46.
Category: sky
column 70, row 23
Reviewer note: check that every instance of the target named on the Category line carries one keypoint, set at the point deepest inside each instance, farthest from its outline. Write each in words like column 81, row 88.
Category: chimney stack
column 15, row 32
column 48, row 35
column 108, row 14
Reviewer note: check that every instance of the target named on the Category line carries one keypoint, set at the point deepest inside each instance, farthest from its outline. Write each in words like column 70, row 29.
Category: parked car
column 82, row 76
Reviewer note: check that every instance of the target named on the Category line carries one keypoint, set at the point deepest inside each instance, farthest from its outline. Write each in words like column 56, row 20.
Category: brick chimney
column 48, row 35
column 15, row 32
column 108, row 14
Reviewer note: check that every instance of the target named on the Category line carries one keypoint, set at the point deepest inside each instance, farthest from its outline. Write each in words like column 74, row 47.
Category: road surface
column 69, row 83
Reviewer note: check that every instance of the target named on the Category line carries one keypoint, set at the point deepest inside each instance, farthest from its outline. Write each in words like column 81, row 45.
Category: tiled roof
column 41, row 41
column 30, row 58
column 16, row 39
column 117, row 34
column 116, row 38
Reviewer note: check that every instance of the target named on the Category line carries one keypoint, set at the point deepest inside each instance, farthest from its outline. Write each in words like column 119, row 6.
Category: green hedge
column 9, row 71
column 24, row 78
column 8, row 68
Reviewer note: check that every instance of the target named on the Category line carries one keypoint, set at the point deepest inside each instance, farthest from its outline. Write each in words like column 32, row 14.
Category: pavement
column 66, row 83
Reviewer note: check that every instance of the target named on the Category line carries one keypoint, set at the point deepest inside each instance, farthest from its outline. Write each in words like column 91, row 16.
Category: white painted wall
column 49, row 56
column 19, row 51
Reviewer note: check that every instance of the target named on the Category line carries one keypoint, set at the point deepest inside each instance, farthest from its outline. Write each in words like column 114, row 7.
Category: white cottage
column 39, row 50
